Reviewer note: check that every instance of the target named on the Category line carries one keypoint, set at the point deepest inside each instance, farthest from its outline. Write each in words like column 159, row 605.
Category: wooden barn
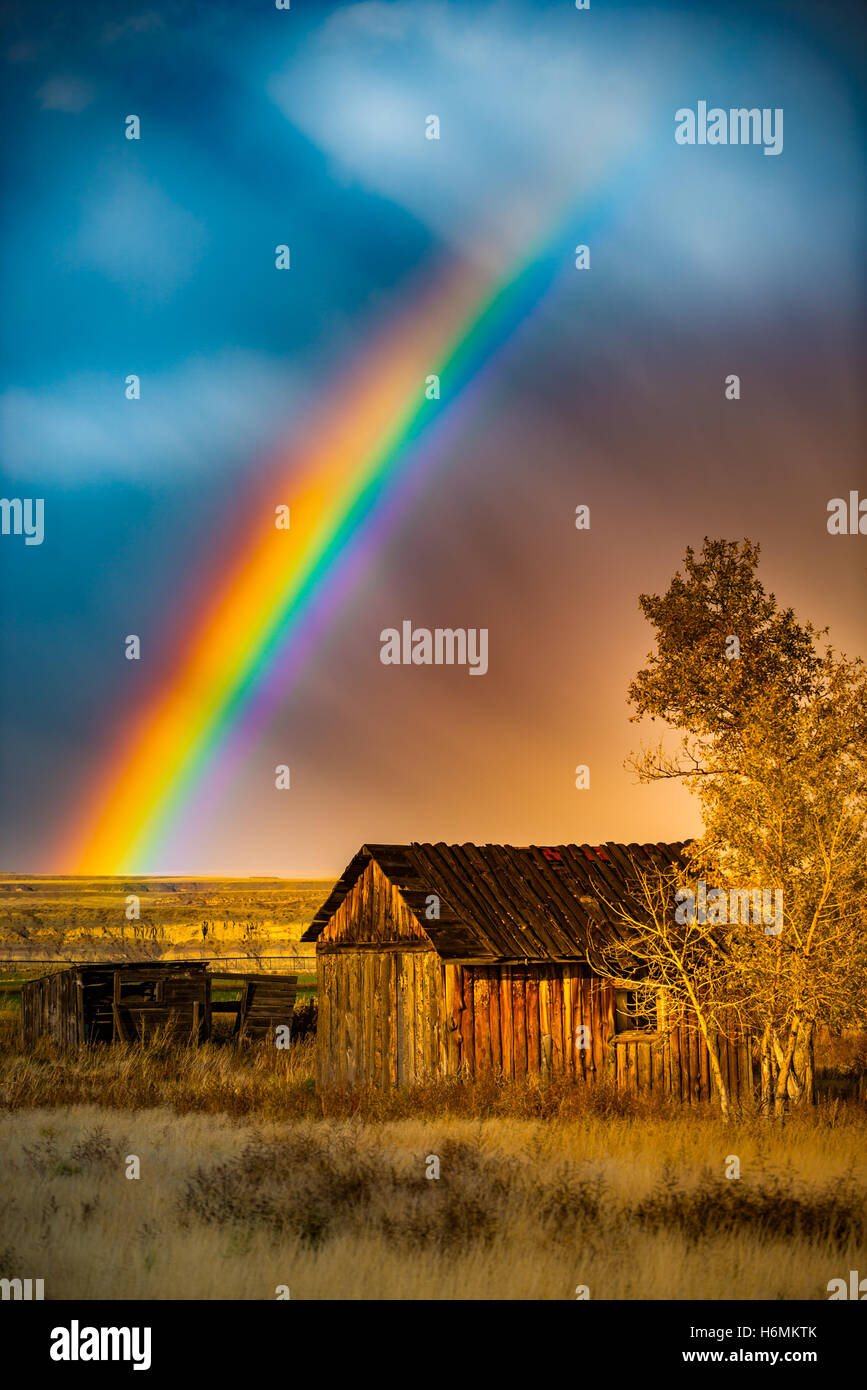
column 111, row 1002
column 444, row 960
column 106, row 1001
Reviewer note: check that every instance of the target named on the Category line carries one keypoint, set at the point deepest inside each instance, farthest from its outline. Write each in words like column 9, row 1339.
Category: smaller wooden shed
column 108, row 1001
column 266, row 1003
column 112, row 1001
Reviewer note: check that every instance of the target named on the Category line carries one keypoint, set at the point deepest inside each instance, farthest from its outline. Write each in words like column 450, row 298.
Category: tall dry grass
column 250, row 1180
column 525, row 1209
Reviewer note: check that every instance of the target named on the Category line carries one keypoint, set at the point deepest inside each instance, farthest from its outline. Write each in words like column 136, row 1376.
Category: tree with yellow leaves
column 771, row 736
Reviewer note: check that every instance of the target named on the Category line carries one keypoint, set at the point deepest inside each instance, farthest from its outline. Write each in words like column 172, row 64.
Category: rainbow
column 363, row 457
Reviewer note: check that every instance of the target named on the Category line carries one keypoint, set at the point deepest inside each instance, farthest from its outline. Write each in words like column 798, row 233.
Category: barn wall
column 400, row 1016
column 525, row 1021
column 381, row 1017
column 381, row 1005
column 51, row 1008
column 372, row 913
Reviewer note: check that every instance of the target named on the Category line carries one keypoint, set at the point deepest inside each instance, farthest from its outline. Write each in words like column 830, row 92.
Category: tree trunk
column 793, row 1085
column 767, row 1072
column 784, row 1076
column 803, row 1064
column 716, row 1073
column 809, row 1060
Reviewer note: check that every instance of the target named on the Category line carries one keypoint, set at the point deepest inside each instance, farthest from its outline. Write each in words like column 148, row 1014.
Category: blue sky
column 259, row 127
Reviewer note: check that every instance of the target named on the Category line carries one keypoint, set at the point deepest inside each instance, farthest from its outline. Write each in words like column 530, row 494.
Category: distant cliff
column 154, row 916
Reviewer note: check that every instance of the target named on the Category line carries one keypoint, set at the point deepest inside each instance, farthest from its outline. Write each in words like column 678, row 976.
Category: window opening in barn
column 141, row 991
column 630, row 1016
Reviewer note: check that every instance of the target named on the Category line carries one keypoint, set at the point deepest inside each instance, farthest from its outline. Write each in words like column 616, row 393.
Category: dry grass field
column 250, row 1180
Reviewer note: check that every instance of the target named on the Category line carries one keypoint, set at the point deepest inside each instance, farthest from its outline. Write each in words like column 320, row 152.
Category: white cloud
column 137, row 236
column 530, row 122
column 209, row 413
column 65, row 94
column 372, row 19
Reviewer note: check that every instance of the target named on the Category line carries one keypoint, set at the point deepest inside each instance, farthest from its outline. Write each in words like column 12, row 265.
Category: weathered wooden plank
column 220, row 980
column 519, row 1021
column 599, row 1038
column 644, row 1067
column 631, row 1050
column 452, row 1016
column 361, row 1073
column 580, row 1022
column 376, row 1020
column 658, row 1067
column 391, row 997
column 345, row 1021
column 494, row 1018
column 662, row 1022
column 263, row 1007
column 338, row 1060
column 374, row 1037
column 567, row 988
column 507, row 1024
column 545, row 1042
column 413, row 987
column 608, row 1026
column 380, row 964
column 359, row 1016
column 704, row 1068
column 694, row 1067
column 348, row 1018
column 375, row 890
column 732, row 1050
column 482, row 1019
column 436, row 977
column 745, row 1069
column 556, row 987
column 534, row 1052
column 468, row 1050
column 432, row 1013
column 403, row 999
column 421, row 1022
column 382, row 927
column 122, row 1029
column 677, row 1079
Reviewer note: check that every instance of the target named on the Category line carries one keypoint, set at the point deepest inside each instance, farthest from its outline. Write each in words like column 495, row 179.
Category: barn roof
column 501, row 902
column 128, row 967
